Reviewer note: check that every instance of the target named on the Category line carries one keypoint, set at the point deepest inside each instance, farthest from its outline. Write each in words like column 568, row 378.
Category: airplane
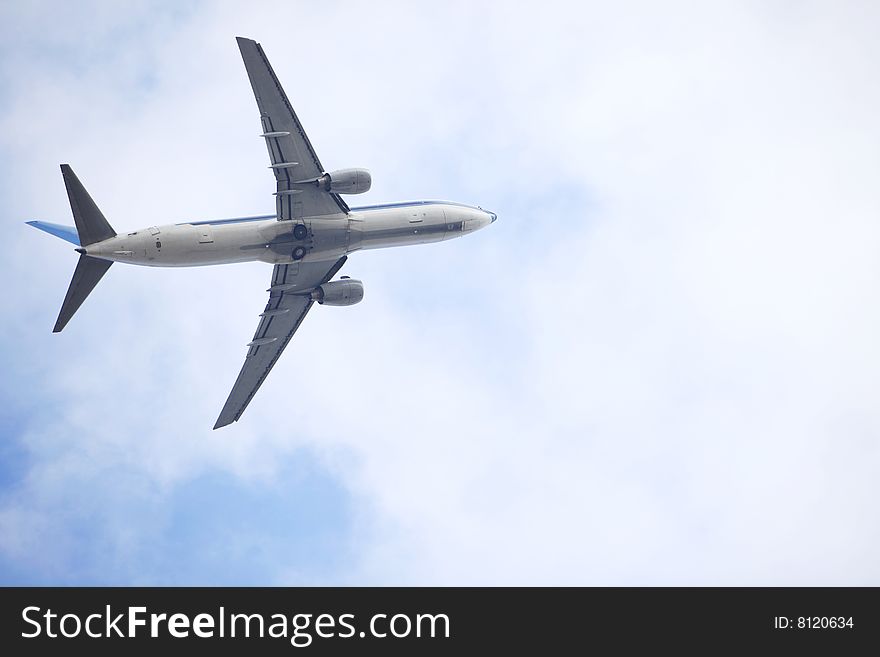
column 308, row 239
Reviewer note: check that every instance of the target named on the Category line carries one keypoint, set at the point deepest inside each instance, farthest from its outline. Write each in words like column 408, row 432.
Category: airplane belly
column 328, row 237
column 181, row 246
column 185, row 245
column 419, row 225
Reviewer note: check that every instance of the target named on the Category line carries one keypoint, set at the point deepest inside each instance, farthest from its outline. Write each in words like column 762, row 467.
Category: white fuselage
column 266, row 239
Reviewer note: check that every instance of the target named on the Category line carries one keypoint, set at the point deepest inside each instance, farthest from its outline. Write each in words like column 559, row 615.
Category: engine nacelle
column 344, row 292
column 346, row 181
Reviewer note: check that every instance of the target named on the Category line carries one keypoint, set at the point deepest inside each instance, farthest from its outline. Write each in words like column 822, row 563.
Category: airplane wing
column 289, row 302
column 293, row 158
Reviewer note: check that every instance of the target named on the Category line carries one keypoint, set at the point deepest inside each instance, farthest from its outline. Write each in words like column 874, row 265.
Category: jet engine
column 344, row 292
column 346, row 181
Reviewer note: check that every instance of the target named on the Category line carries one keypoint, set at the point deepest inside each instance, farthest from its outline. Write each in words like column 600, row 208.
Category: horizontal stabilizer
column 67, row 233
column 90, row 222
column 86, row 276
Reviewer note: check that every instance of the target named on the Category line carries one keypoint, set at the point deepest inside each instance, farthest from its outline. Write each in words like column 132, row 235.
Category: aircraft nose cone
column 494, row 217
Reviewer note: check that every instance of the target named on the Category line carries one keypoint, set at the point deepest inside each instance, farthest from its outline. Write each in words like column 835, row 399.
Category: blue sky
column 659, row 366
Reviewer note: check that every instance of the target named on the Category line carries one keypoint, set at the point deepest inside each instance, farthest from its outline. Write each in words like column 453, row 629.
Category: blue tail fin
column 91, row 227
column 67, row 233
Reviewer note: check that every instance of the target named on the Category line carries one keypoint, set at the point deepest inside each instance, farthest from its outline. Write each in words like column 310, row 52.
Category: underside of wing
column 294, row 161
column 289, row 302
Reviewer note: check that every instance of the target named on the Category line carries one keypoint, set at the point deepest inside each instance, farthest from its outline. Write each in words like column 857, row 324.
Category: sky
column 660, row 366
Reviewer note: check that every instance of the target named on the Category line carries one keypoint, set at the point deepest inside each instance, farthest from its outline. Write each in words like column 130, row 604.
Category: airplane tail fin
column 67, row 233
column 90, row 222
column 91, row 227
column 85, row 277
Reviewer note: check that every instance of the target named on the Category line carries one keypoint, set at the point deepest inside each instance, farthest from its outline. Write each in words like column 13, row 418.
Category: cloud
column 657, row 367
